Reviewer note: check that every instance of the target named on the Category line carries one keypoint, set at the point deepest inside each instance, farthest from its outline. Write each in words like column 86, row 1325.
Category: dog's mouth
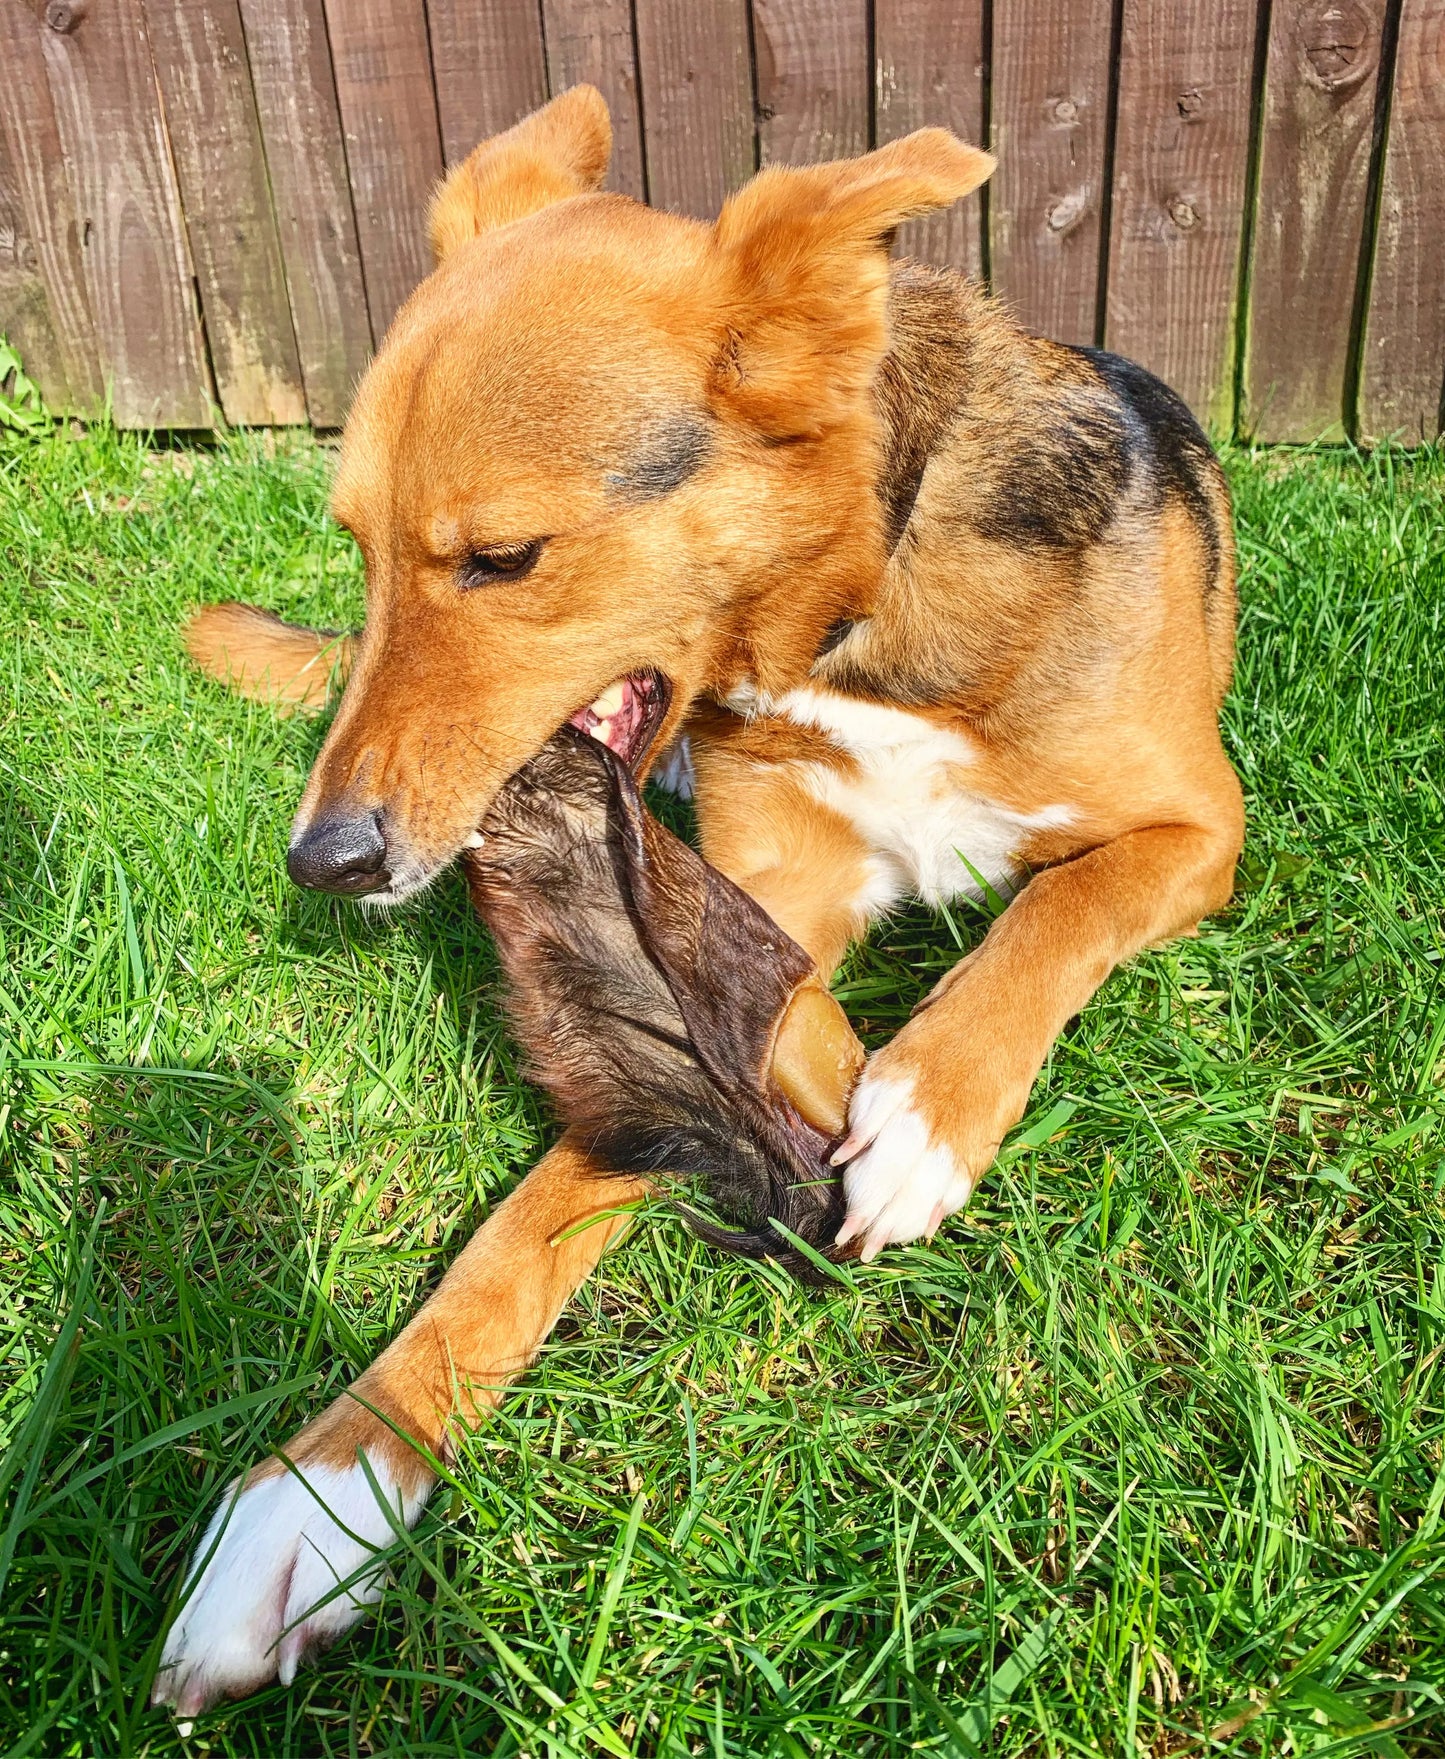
column 625, row 718
column 627, row 715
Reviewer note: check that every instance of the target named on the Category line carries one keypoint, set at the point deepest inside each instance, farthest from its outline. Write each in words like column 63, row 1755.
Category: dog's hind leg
column 312, row 1517
column 257, row 654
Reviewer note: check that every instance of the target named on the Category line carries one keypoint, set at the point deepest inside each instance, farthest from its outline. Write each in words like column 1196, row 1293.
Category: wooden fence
column 210, row 209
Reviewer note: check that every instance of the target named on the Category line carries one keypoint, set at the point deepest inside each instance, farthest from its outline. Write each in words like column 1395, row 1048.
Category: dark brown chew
column 648, row 991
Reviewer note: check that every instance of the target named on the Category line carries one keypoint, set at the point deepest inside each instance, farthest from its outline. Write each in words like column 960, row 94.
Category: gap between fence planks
column 388, row 108
column 929, row 59
column 813, row 77
column 200, row 60
column 694, row 62
column 301, row 127
column 283, row 173
column 591, row 42
column 1181, row 158
column 488, row 66
column 135, row 260
column 70, row 376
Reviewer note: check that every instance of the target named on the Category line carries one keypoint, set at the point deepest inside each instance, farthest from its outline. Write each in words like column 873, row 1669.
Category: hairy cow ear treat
column 673, row 1022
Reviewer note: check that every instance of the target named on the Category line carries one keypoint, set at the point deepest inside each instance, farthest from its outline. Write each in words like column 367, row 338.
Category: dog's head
column 607, row 459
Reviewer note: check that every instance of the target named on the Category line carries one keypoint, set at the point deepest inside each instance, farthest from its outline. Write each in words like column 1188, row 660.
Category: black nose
column 340, row 854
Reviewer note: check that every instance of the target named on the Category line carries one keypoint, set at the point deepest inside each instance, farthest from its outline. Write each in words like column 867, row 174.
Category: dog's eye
column 504, row 562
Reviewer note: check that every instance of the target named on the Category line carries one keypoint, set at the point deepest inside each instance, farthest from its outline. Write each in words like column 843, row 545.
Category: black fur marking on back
column 1171, row 446
column 834, row 636
column 1060, row 485
column 669, row 452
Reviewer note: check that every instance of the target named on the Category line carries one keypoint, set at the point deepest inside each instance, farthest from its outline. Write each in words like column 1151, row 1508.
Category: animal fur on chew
column 648, row 992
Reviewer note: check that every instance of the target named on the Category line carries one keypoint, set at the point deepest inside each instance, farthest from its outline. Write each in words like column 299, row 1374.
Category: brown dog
column 936, row 601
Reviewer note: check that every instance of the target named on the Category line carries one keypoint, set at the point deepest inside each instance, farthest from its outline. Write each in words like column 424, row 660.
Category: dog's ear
column 803, row 261
column 558, row 151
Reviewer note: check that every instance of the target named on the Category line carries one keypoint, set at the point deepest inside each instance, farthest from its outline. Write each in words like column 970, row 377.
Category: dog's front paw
column 278, row 1548
column 902, row 1178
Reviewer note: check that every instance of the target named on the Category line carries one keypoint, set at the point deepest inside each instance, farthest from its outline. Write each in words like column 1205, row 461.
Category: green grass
column 1147, row 1446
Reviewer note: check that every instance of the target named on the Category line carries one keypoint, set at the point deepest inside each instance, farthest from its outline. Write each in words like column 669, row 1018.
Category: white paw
column 900, row 1184
column 674, row 771
column 285, row 1544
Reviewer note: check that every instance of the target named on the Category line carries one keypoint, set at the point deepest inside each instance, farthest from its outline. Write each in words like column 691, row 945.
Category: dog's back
column 1036, row 495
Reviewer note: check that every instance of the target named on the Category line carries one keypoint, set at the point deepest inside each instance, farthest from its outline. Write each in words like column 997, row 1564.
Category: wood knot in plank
column 1338, row 43
column 1190, row 106
column 16, row 250
column 1064, row 112
column 1065, row 213
column 1182, row 212
column 65, row 15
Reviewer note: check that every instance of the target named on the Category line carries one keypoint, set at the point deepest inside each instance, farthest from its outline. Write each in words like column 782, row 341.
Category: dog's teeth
column 475, row 841
column 602, row 732
column 610, row 701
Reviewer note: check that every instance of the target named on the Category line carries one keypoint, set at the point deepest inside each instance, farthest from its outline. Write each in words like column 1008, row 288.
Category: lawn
column 1144, row 1455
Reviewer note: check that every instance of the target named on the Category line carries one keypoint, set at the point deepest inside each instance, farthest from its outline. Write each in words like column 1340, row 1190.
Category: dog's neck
column 922, row 383
column 920, row 392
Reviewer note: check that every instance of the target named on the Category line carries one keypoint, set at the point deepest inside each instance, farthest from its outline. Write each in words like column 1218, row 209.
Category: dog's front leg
column 293, row 1528
column 933, row 1105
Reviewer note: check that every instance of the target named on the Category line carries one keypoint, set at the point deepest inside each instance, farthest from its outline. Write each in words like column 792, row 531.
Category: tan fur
column 559, row 151
column 296, row 670
column 482, row 1328
column 1083, row 668
column 797, row 253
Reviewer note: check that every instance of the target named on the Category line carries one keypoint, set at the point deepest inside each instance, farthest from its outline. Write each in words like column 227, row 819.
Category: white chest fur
column 908, row 796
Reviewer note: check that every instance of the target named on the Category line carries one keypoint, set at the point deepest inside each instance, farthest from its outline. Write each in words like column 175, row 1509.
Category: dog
column 938, row 605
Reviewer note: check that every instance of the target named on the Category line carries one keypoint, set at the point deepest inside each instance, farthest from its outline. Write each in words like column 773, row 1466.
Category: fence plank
column 393, row 143
column 928, row 60
column 697, row 101
column 488, row 66
column 1402, row 387
column 137, row 267
column 1313, row 171
column 301, row 126
column 199, row 52
column 1050, row 100
column 1181, row 167
column 75, row 383
column 592, row 40
column 24, row 309
column 813, row 77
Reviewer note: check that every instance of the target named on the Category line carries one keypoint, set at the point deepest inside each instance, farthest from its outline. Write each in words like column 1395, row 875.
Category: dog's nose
column 340, row 854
